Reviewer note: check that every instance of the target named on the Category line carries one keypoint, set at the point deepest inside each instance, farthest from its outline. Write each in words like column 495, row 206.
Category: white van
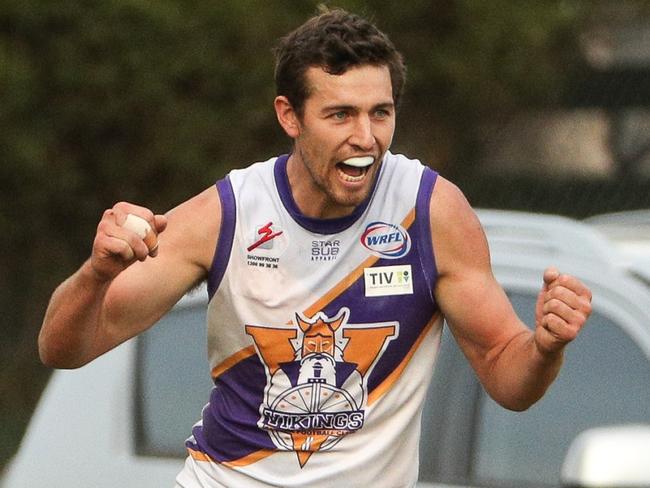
column 122, row 420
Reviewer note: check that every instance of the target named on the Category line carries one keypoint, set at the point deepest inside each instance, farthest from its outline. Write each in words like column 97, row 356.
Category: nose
column 362, row 134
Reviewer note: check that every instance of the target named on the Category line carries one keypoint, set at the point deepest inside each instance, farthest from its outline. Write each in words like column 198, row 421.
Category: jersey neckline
column 312, row 224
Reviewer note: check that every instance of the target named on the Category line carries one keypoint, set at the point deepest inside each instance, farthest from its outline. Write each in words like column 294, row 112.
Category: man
column 329, row 273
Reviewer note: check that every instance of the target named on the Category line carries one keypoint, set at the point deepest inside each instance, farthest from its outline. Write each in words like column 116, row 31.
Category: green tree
column 107, row 100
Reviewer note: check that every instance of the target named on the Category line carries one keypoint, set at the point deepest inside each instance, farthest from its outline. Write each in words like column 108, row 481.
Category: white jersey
column 322, row 335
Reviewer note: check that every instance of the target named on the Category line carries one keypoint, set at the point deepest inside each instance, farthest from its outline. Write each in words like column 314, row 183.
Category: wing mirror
column 609, row 457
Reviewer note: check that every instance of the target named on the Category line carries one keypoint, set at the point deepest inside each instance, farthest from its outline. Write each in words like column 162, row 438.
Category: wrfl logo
column 386, row 240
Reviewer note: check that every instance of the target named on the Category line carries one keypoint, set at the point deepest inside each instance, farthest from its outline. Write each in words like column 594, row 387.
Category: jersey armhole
column 422, row 215
column 226, row 235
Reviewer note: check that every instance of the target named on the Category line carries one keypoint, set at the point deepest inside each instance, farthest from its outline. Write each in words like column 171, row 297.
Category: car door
column 468, row 440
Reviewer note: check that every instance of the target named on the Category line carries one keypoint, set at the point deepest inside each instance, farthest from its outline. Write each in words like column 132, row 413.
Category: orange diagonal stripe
column 348, row 280
column 251, row 458
column 199, row 456
column 340, row 287
column 390, row 380
column 229, row 362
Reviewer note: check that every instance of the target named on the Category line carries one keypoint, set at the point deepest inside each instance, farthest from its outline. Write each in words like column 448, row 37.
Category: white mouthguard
column 360, row 162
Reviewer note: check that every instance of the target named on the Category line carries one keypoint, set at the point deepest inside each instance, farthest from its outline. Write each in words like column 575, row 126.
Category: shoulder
column 456, row 231
column 193, row 227
column 448, row 203
column 197, row 208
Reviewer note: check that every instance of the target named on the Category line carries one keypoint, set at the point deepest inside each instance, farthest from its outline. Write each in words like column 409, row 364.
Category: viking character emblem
column 316, row 378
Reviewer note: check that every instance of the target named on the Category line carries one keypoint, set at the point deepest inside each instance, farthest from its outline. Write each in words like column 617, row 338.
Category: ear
column 287, row 116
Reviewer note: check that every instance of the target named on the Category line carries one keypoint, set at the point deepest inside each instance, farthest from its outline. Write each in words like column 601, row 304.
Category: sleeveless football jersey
column 322, row 334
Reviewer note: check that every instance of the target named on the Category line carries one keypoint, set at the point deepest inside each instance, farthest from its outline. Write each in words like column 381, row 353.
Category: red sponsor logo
column 266, row 234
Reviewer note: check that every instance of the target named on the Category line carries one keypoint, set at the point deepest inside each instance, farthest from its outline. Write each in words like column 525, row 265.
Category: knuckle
column 139, row 248
column 562, row 330
column 124, row 246
column 552, row 293
column 554, row 305
column 558, row 293
column 120, row 208
column 102, row 228
column 552, row 321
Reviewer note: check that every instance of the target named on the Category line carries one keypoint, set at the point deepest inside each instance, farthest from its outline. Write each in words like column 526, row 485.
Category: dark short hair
column 336, row 41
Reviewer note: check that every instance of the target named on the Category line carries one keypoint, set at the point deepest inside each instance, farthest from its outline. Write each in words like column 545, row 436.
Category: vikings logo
column 317, row 374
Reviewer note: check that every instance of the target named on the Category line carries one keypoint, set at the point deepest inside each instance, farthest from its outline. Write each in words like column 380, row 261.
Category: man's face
column 318, row 344
column 345, row 116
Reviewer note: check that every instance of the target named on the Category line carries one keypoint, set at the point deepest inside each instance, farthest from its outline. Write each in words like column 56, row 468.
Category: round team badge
column 390, row 241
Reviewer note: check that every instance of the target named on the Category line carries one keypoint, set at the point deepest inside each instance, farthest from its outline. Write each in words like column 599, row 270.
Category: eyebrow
column 335, row 108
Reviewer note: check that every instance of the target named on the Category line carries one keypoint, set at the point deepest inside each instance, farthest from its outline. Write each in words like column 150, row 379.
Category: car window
column 605, row 380
column 172, row 383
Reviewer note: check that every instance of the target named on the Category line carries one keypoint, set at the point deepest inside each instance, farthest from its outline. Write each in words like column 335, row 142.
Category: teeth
column 360, row 162
column 352, row 179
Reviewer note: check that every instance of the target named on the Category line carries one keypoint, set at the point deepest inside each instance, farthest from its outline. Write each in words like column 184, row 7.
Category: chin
column 351, row 201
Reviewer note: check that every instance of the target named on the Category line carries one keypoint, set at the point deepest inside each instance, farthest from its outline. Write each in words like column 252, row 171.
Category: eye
column 340, row 115
column 382, row 113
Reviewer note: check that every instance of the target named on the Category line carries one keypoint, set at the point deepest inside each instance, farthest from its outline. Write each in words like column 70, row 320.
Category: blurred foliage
column 107, row 100
column 471, row 61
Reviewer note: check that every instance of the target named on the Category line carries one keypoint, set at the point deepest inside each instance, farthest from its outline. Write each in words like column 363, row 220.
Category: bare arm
column 121, row 290
column 514, row 364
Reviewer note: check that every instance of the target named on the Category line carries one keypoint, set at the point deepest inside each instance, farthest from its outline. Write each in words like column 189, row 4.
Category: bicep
column 475, row 306
column 145, row 291
column 479, row 316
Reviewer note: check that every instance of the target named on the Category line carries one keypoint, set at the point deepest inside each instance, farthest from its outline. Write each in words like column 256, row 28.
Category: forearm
column 72, row 320
column 519, row 374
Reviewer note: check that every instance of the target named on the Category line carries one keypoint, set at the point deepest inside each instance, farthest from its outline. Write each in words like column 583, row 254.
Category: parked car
column 468, row 440
column 629, row 232
column 121, row 420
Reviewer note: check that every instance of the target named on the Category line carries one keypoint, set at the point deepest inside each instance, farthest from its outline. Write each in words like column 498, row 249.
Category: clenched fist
column 563, row 306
